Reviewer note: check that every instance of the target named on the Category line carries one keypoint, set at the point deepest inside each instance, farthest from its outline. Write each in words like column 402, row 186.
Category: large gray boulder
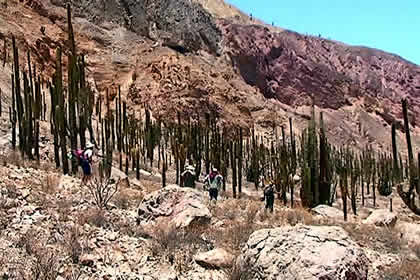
column 381, row 217
column 183, row 206
column 302, row 253
column 326, row 211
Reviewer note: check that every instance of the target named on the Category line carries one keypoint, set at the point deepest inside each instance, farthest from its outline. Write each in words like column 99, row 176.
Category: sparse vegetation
column 406, row 269
column 102, row 190
column 94, row 217
column 136, row 139
column 177, row 246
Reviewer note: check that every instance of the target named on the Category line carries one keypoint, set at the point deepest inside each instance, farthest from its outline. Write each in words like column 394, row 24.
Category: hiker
column 84, row 158
column 213, row 182
column 188, row 177
column 269, row 196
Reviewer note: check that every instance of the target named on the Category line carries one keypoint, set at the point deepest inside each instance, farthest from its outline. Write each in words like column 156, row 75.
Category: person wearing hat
column 188, row 177
column 86, row 160
column 213, row 182
column 269, row 196
column 88, row 152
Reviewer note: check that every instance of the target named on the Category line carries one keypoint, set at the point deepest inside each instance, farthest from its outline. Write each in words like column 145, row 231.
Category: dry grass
column 242, row 217
column 416, row 250
column 381, row 239
column 73, row 243
column 127, row 199
column 13, row 158
column 178, row 246
column 239, row 273
column 405, row 270
column 41, row 261
column 94, row 217
column 51, row 184
column 124, row 227
column 63, row 208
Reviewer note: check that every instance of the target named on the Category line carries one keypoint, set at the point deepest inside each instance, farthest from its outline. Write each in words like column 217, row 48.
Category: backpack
column 78, row 153
column 269, row 191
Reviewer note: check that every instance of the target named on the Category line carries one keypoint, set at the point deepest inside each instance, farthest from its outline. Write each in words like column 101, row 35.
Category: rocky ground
column 52, row 226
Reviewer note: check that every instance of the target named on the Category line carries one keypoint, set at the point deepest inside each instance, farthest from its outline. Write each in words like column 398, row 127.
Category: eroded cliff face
column 294, row 69
column 182, row 25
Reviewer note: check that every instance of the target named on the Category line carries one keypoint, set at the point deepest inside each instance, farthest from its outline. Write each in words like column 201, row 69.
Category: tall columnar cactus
column 12, row 114
column 409, row 197
column 293, row 147
column 233, row 166
column 324, row 180
column 54, row 126
column 60, row 112
column 310, row 181
column 240, row 160
column 207, row 144
column 413, row 175
column 17, row 93
column 396, row 172
column 4, row 52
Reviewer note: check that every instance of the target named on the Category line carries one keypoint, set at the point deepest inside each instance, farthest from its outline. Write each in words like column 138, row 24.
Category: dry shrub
column 34, row 164
column 406, row 269
column 102, row 190
column 238, row 234
column 165, row 239
column 51, row 183
column 41, row 261
column 178, row 246
column 94, row 217
column 64, row 209
column 233, row 235
column 12, row 191
column 13, row 158
column 286, row 216
column 72, row 243
column 237, row 272
column 6, row 204
column 229, row 209
column 124, row 227
column 416, row 250
column 299, row 215
column 122, row 200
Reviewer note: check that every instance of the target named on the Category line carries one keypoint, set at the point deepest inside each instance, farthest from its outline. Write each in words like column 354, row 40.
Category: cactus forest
column 325, row 170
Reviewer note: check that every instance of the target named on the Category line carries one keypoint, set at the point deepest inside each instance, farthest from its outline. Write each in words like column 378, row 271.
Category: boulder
column 326, row 211
column 381, row 217
column 183, row 206
column 119, row 176
column 302, row 252
column 217, row 258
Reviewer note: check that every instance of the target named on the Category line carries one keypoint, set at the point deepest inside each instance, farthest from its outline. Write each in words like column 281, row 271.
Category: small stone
column 87, row 260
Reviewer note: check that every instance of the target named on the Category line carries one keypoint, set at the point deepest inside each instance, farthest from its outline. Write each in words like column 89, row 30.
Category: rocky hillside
column 194, row 57
column 198, row 56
